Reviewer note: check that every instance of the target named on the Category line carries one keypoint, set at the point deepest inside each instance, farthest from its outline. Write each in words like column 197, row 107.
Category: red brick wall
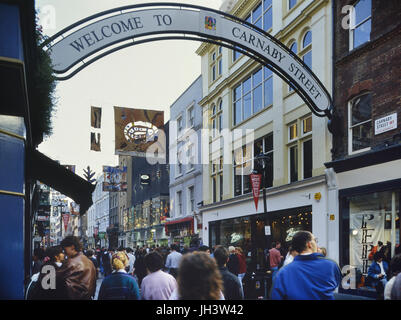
column 375, row 66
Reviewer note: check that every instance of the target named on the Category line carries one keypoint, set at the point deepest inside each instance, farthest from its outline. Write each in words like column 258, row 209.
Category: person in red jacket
column 242, row 263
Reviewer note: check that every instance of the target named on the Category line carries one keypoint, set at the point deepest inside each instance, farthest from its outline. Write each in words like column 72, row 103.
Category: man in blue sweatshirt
column 310, row 276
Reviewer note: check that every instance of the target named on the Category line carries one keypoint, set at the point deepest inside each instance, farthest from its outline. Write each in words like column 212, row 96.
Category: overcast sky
column 148, row 76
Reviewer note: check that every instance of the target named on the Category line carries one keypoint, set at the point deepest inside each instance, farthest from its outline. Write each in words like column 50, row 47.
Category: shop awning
column 42, row 168
column 188, row 219
column 184, row 223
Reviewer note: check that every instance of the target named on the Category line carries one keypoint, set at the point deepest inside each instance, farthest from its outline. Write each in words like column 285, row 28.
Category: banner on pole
column 255, row 183
column 136, row 130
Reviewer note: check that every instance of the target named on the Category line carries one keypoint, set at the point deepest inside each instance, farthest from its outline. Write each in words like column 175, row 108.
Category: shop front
column 181, row 231
column 368, row 190
column 255, row 233
column 298, row 206
column 368, row 215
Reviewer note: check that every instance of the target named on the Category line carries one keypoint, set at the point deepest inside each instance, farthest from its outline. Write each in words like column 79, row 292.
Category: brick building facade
column 371, row 67
column 364, row 176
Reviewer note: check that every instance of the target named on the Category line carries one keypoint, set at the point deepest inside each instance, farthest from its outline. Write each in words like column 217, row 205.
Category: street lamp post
column 261, row 167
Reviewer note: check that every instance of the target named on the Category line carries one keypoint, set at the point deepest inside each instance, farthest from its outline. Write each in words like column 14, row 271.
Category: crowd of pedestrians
column 194, row 273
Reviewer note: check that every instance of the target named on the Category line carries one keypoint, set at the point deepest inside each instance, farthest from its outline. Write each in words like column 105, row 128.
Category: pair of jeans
column 275, row 270
column 241, row 277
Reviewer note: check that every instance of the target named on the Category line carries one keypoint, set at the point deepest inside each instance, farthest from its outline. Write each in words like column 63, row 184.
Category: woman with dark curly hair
column 198, row 278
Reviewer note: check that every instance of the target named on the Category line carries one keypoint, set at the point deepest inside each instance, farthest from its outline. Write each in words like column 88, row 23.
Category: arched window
column 213, row 120
column 360, row 123
column 220, row 115
column 307, row 49
column 291, row 4
column 293, row 48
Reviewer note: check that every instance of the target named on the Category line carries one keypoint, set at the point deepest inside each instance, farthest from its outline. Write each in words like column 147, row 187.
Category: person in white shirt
column 131, row 262
column 290, row 256
column 173, row 260
column 157, row 285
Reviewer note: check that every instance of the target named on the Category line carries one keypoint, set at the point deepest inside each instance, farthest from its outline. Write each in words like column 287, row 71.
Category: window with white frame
column 191, row 156
column 191, row 199
column 264, row 146
column 216, row 172
column 179, row 163
column 252, row 95
column 291, row 4
column 300, row 142
column 245, row 162
column 191, row 116
column 306, row 53
column 179, row 203
column 360, row 123
column 179, row 124
column 216, row 118
column 215, row 63
column 307, row 161
column 242, row 169
column 220, row 178
column 361, row 23
column 294, row 48
column 262, row 17
column 220, row 115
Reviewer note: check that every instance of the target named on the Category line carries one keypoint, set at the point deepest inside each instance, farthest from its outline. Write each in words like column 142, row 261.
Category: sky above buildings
column 148, row 76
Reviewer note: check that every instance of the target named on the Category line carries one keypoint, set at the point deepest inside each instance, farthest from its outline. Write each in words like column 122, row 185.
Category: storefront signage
column 255, row 183
column 386, row 123
column 67, row 48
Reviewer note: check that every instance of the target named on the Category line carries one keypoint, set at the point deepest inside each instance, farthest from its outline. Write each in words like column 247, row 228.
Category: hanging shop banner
column 115, row 179
column 96, row 117
column 95, row 141
column 68, row 49
column 255, row 183
column 136, row 130
column 66, row 219
column 74, row 208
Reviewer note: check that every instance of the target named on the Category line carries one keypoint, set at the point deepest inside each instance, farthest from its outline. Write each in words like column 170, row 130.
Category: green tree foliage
column 42, row 100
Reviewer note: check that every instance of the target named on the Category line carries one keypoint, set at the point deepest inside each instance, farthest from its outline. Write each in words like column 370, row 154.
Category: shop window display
column 255, row 233
column 373, row 217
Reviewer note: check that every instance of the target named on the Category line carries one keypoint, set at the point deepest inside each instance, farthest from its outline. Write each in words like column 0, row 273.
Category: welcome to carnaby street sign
column 78, row 44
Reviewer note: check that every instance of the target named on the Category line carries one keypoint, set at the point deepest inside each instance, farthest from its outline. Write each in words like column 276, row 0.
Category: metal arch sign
column 82, row 40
